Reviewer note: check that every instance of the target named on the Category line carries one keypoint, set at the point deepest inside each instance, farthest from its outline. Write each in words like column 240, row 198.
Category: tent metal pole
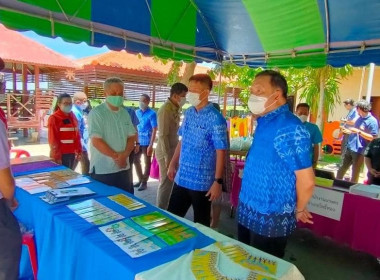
column 220, row 82
column 361, row 84
column 370, row 81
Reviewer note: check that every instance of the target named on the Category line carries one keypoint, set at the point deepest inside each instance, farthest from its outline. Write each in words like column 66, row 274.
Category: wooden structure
column 140, row 74
column 28, row 62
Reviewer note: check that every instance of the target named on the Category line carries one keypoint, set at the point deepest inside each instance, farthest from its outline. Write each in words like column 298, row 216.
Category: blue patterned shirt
column 83, row 127
column 148, row 121
column 132, row 114
column 267, row 200
column 202, row 133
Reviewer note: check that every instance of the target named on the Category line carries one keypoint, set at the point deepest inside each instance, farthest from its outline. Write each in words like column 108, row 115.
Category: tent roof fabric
column 16, row 48
column 253, row 32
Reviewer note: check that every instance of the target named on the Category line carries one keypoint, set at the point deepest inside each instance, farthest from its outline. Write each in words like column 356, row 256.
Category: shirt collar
column 366, row 117
column 271, row 115
column 172, row 105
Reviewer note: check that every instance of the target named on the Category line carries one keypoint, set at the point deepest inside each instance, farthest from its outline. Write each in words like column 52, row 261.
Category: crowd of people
column 192, row 156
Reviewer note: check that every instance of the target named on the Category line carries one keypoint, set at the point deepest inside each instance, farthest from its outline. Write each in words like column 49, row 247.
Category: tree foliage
column 302, row 83
column 310, row 91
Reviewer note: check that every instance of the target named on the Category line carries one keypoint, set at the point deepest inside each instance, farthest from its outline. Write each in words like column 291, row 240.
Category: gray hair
column 113, row 80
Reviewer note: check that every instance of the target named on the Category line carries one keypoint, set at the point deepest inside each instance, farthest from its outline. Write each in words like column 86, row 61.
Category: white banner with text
column 327, row 203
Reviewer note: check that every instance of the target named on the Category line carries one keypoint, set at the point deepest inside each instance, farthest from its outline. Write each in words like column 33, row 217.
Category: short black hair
column 349, row 101
column 276, row 80
column 364, row 105
column 146, row 96
column 203, row 79
column 305, row 105
column 178, row 88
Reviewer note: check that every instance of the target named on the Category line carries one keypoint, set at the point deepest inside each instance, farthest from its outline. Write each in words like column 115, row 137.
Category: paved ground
column 316, row 258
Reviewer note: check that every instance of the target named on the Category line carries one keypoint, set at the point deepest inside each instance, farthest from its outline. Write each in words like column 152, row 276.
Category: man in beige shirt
column 168, row 124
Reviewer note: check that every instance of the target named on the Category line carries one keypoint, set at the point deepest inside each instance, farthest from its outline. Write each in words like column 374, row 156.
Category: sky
column 70, row 50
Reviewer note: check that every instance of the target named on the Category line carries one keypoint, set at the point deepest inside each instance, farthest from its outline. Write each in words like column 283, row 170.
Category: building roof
column 135, row 62
column 16, row 48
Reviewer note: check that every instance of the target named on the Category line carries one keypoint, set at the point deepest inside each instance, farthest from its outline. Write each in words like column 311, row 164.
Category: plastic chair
column 28, row 240
column 19, row 153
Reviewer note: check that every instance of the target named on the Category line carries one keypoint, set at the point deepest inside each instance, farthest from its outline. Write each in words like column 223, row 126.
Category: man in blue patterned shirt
column 146, row 130
column 278, row 178
column 200, row 154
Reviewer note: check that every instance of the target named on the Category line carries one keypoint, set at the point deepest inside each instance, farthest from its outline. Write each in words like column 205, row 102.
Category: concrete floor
column 317, row 258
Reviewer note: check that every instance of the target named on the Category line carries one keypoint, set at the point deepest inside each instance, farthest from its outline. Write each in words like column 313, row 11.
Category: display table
column 359, row 225
column 68, row 247
column 180, row 268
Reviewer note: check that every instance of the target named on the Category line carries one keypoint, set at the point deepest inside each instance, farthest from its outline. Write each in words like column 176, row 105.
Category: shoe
column 137, row 185
column 143, row 186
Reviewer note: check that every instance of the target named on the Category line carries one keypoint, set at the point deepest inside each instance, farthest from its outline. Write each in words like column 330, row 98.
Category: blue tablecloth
column 68, row 247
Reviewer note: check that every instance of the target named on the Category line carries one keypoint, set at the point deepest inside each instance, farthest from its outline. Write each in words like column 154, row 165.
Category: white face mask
column 193, row 98
column 83, row 106
column 303, row 118
column 182, row 101
column 142, row 105
column 256, row 104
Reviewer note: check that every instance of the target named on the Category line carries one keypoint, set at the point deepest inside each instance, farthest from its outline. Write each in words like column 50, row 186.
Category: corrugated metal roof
column 125, row 60
column 16, row 48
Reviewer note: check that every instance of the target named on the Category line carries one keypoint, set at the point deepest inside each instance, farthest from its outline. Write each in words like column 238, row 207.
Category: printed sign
column 327, row 203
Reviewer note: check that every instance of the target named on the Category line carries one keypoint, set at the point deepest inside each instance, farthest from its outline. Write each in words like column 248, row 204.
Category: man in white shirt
column 10, row 236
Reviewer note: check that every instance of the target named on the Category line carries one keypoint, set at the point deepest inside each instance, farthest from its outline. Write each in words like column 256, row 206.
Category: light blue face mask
column 115, row 101
column 66, row 109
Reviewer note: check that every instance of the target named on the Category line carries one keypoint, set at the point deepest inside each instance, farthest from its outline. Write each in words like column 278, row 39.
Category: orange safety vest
column 63, row 134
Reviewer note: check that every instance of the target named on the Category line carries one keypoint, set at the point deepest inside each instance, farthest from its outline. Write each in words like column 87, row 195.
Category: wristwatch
column 219, row 180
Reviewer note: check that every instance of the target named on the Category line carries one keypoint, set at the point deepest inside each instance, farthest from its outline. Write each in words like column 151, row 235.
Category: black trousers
column 181, row 199
column 373, row 180
column 10, row 243
column 271, row 245
column 142, row 176
column 69, row 161
column 130, row 170
column 84, row 163
column 119, row 180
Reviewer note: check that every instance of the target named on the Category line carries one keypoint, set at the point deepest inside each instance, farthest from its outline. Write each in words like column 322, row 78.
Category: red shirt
column 63, row 135
column 3, row 118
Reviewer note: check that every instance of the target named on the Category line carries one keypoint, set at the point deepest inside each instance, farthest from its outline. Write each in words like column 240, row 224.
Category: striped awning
column 255, row 32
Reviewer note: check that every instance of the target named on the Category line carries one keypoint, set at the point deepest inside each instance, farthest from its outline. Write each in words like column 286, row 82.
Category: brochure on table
column 204, row 264
column 94, row 212
column 144, row 234
column 44, row 181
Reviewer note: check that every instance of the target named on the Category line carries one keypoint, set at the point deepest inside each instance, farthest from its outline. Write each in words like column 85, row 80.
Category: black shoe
column 137, row 185
column 143, row 186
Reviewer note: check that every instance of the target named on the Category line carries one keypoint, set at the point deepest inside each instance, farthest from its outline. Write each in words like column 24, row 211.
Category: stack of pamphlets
column 94, row 212
column 147, row 233
column 372, row 191
column 127, row 202
column 54, row 179
column 205, row 264
column 59, row 195
column 31, row 186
